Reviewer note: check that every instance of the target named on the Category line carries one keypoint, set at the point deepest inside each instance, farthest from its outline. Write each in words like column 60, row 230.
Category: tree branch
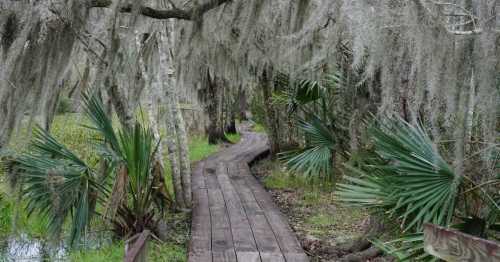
column 437, row 18
column 163, row 14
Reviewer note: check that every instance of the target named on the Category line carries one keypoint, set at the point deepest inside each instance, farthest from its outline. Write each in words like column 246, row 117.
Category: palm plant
column 316, row 157
column 311, row 103
column 412, row 183
column 57, row 184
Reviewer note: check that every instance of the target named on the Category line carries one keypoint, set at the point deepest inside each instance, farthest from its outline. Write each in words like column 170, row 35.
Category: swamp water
column 23, row 248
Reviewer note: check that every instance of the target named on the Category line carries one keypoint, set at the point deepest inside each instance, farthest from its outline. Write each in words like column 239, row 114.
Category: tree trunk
column 271, row 116
column 171, row 139
column 242, row 103
column 464, row 76
column 215, row 131
column 231, row 126
column 185, row 164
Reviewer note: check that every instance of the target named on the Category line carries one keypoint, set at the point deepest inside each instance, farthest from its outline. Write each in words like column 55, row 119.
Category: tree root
column 362, row 256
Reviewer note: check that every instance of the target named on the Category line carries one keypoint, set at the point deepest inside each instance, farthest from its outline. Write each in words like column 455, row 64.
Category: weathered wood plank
column 248, row 256
column 198, row 181
column 200, row 256
column 296, row 257
column 451, row 245
column 272, row 257
column 201, row 228
column 224, row 256
column 286, row 238
column 264, row 236
column 222, row 239
column 243, row 237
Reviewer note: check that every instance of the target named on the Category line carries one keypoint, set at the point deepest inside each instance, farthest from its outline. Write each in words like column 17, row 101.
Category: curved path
column 234, row 217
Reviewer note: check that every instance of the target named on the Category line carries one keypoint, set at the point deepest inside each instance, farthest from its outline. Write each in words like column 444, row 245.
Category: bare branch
column 163, row 14
column 440, row 21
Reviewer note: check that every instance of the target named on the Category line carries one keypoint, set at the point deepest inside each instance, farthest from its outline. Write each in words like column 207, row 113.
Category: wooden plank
column 222, row 239
column 264, row 236
column 262, row 196
column 201, row 229
column 243, row 237
column 211, row 180
column 296, row 257
column 272, row 257
column 250, row 205
column 287, row 240
column 200, row 256
column 452, row 245
column 284, row 234
column 248, row 256
column 198, row 181
column 224, row 256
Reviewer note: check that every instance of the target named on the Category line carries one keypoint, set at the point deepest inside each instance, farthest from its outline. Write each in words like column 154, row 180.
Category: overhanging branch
column 163, row 14
column 439, row 20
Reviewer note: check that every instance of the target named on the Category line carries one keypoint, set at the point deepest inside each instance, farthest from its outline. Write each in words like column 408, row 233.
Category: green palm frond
column 60, row 186
column 407, row 248
column 307, row 91
column 296, row 93
column 108, row 146
column 366, row 189
column 415, row 182
column 316, row 158
column 57, row 184
column 45, row 144
column 138, row 150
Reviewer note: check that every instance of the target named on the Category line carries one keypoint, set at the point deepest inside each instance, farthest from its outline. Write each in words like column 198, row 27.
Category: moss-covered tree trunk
column 272, row 121
column 182, row 138
column 213, row 101
column 171, row 138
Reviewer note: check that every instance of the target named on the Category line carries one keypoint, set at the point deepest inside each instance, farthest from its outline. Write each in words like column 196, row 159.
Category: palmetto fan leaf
column 415, row 182
column 301, row 92
column 316, row 158
column 57, row 184
column 407, row 248
column 366, row 190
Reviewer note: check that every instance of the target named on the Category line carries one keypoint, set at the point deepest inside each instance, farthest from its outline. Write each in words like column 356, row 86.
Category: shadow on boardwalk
column 234, row 218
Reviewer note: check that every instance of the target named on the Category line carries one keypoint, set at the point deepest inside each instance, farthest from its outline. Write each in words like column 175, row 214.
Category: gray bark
column 185, row 164
column 171, row 138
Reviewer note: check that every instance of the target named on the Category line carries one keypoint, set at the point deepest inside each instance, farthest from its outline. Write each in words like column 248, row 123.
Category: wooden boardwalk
column 234, row 218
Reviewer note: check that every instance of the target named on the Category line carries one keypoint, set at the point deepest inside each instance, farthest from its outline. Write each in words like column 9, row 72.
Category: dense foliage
column 407, row 178
column 59, row 185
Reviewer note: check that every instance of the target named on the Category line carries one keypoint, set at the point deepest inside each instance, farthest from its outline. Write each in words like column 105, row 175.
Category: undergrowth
column 67, row 128
column 311, row 207
column 233, row 138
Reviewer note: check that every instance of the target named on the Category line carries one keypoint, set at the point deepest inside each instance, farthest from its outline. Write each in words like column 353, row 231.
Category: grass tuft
column 233, row 138
column 258, row 128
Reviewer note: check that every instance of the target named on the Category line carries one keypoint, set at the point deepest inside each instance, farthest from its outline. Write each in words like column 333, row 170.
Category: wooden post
column 136, row 247
column 452, row 245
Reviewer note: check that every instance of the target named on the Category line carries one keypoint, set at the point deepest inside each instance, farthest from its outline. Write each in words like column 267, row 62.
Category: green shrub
column 65, row 106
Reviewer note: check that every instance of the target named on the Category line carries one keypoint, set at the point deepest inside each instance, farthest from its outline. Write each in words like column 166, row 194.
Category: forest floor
column 321, row 224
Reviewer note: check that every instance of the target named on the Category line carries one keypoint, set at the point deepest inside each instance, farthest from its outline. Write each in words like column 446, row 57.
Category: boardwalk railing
column 136, row 247
column 452, row 245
